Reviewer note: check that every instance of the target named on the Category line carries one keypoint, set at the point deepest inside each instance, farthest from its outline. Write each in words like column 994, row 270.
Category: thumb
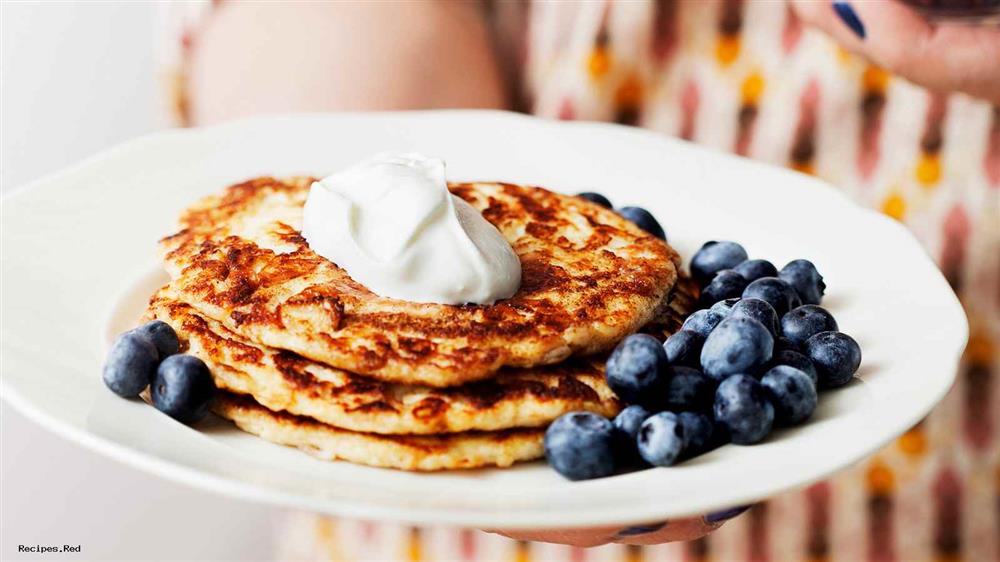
column 940, row 56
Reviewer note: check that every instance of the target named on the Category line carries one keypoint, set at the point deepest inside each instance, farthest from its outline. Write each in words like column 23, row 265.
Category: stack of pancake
column 305, row 356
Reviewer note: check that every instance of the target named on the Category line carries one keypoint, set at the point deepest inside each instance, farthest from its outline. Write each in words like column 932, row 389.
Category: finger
column 642, row 534
column 588, row 537
column 942, row 56
column 671, row 531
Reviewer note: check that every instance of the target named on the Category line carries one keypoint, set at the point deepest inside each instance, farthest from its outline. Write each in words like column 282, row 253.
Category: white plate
column 75, row 243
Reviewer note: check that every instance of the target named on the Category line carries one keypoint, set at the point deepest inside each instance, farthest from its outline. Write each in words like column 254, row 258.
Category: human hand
column 944, row 56
column 647, row 534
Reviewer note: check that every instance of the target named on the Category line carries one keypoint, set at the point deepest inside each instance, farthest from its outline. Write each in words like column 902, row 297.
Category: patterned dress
column 747, row 77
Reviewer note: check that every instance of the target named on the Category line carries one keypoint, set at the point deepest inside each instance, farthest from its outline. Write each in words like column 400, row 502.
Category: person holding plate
column 887, row 100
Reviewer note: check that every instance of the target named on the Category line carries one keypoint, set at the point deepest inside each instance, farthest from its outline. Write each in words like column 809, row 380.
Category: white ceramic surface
column 77, row 263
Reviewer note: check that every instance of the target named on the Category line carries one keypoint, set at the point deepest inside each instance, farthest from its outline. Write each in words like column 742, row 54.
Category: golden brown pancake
column 589, row 277
column 406, row 452
column 283, row 380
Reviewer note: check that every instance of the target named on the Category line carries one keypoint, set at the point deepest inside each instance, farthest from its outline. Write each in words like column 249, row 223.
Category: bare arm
column 266, row 58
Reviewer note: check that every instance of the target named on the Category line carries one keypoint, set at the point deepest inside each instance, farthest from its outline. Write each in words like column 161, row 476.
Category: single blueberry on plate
column 595, row 198
column 737, row 345
column 805, row 279
column 792, row 393
column 752, row 270
column 698, row 430
column 626, row 425
column 776, row 292
column 713, row 257
column 162, row 335
column 703, row 321
column 795, row 359
column 684, row 348
column 183, row 388
column 742, row 410
column 804, row 322
column 689, row 389
column 130, row 365
column 661, row 439
column 836, row 356
column 726, row 284
column 637, row 369
column 581, row 446
column 644, row 220
column 724, row 307
column 760, row 311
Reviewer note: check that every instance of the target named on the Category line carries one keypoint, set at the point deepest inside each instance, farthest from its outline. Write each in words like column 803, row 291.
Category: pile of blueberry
column 182, row 386
column 753, row 356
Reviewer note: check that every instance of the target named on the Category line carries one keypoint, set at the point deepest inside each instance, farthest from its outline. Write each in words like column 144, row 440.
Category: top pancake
column 589, row 277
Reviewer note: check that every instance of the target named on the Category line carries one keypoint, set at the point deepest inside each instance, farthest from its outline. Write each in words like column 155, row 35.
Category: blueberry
column 791, row 392
column 130, row 365
column 776, row 292
column 795, row 359
column 698, row 431
column 661, row 439
column 752, row 270
column 714, row 257
column 581, row 446
column 724, row 307
column 743, row 410
column 760, row 311
column 703, row 321
column 626, row 425
column 183, row 388
column 162, row 335
column 805, row 279
column 737, row 345
column 644, row 220
column 595, row 198
column 726, row 284
column 627, row 421
column 637, row 369
column 689, row 389
column 804, row 322
column 836, row 356
column 684, row 348
column 782, row 343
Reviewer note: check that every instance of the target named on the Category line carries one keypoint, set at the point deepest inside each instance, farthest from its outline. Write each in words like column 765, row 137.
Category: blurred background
column 78, row 78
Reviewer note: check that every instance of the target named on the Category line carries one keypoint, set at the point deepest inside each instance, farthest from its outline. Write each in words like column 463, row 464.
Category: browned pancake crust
column 283, row 380
column 471, row 449
column 589, row 277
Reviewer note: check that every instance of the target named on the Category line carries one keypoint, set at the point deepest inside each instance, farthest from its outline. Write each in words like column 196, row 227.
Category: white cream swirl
column 391, row 223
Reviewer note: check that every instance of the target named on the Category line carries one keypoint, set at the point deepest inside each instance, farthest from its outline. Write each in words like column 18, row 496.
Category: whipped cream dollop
column 391, row 223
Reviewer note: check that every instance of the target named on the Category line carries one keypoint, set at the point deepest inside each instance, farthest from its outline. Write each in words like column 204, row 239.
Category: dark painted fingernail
column 641, row 529
column 850, row 18
column 725, row 514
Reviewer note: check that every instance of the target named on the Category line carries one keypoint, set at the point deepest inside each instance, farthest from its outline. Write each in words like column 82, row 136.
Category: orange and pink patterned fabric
column 746, row 77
